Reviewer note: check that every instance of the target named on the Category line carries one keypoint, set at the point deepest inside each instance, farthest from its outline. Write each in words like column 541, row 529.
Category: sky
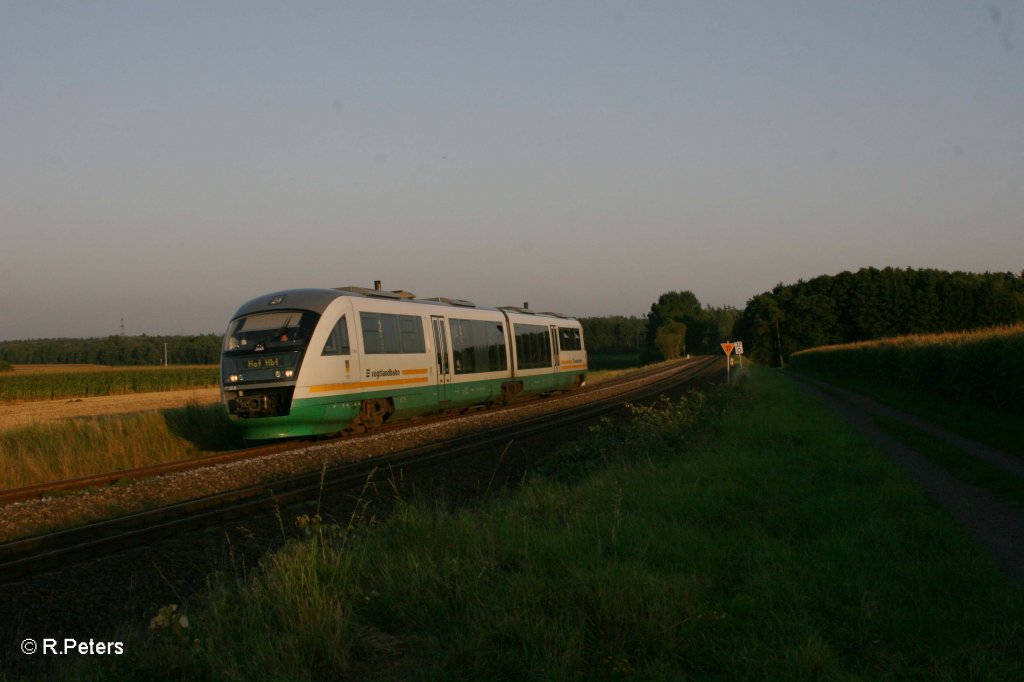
column 164, row 162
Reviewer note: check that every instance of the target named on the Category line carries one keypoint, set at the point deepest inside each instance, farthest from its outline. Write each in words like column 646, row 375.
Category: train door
column 444, row 375
column 554, row 349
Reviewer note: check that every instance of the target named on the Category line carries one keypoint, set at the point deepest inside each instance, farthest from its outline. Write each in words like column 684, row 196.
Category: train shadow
column 207, row 427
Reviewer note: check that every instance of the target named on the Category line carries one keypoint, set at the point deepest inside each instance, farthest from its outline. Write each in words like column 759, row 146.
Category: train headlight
column 234, row 378
column 288, row 373
column 277, row 374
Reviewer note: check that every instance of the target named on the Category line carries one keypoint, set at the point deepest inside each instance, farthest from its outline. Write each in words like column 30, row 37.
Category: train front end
column 261, row 359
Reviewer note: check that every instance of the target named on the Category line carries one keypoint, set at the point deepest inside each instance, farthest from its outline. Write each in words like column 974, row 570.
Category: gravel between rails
column 994, row 523
column 20, row 519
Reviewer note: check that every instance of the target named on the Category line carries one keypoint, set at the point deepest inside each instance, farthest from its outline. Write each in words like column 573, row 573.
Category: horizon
column 642, row 315
column 165, row 163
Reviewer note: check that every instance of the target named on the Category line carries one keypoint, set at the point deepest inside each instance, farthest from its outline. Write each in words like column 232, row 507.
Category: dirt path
column 24, row 414
column 995, row 523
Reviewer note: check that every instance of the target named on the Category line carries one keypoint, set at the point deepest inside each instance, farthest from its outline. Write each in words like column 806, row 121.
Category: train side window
column 386, row 333
column 337, row 340
column 569, row 339
column 496, row 356
column 477, row 346
column 533, row 346
column 410, row 329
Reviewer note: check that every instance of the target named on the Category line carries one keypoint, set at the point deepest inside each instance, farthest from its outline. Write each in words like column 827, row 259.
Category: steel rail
column 61, row 548
column 41, row 490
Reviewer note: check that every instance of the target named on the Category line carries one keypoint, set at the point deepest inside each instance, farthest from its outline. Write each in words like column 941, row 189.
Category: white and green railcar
column 306, row 362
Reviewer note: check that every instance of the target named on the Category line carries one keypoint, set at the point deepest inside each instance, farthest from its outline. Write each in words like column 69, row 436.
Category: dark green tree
column 670, row 340
column 873, row 303
column 683, row 307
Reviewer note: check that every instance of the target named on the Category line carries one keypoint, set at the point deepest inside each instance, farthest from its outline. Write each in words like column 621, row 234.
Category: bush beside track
column 983, row 367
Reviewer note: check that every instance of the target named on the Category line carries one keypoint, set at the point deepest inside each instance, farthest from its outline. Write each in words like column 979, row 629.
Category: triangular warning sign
column 727, row 347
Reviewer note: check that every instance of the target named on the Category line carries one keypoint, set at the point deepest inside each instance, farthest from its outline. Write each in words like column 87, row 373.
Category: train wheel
column 374, row 413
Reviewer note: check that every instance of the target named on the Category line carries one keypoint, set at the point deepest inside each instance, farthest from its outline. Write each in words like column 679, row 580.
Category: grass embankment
column 599, row 375
column 600, row 361
column 596, row 376
column 113, row 381
column 80, row 447
column 783, row 547
column 969, row 382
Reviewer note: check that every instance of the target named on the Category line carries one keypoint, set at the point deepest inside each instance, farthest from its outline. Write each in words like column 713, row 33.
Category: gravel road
column 994, row 523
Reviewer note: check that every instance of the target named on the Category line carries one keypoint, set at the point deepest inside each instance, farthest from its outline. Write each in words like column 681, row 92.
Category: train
column 315, row 362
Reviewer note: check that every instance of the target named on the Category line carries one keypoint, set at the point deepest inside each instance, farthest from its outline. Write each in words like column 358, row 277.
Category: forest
column 868, row 304
column 873, row 304
column 614, row 334
column 114, row 350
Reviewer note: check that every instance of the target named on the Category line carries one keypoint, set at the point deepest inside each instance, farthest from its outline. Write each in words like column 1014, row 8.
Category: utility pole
column 165, row 355
column 122, row 326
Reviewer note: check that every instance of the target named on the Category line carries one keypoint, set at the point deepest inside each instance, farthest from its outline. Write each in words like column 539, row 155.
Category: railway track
column 45, row 552
column 124, row 475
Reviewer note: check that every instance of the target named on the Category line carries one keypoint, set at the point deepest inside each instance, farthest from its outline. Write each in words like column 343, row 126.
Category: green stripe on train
column 330, row 414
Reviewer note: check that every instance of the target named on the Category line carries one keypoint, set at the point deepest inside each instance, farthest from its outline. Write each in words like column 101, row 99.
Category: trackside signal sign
column 727, row 347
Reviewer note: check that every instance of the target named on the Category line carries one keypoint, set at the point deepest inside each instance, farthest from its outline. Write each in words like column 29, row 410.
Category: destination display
column 268, row 362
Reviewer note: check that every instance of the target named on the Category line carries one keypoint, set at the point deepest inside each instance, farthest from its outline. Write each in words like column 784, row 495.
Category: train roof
column 317, row 301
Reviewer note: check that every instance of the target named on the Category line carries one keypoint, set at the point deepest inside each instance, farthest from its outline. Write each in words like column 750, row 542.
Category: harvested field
column 40, row 411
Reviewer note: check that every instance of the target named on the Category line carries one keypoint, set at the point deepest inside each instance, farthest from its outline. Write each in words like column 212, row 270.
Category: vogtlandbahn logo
column 378, row 373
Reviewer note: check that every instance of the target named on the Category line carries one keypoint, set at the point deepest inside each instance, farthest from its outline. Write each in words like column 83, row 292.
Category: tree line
column 872, row 304
column 633, row 336
column 115, row 350
column 829, row 309
column 614, row 334
column 677, row 324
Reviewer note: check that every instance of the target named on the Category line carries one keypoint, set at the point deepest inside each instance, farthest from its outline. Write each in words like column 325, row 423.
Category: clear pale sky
column 166, row 161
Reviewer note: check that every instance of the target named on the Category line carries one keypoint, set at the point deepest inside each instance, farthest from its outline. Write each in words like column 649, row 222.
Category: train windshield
column 279, row 330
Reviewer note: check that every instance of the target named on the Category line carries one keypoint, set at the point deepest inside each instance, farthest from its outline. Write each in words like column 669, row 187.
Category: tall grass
column 601, row 361
column 54, row 386
column 984, row 367
column 80, row 447
column 784, row 548
column 596, row 376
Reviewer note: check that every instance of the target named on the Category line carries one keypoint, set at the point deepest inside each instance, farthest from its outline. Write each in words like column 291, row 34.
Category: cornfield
column 86, row 384
column 984, row 366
